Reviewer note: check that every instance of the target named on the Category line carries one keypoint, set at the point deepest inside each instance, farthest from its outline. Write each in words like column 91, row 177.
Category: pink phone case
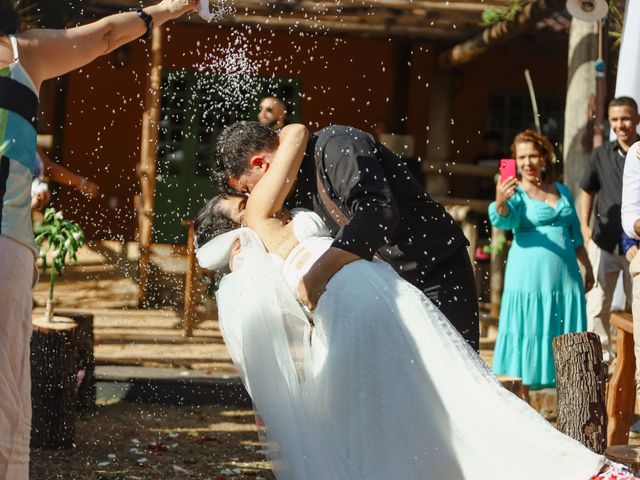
column 507, row 169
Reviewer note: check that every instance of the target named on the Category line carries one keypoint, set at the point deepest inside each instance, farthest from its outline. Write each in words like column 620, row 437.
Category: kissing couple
column 349, row 309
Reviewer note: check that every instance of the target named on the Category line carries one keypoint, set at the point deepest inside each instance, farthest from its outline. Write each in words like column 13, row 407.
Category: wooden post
column 440, row 130
column 86, row 369
column 497, row 266
column 53, row 382
column 583, row 49
column 191, row 281
column 581, row 378
column 148, row 159
column 621, row 392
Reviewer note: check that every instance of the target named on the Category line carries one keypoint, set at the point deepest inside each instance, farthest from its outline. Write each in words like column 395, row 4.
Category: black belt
column 19, row 99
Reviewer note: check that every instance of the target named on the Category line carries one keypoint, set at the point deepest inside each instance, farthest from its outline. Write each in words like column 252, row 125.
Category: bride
column 374, row 383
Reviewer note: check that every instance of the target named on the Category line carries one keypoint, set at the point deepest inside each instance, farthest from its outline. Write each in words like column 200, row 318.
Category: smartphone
column 507, row 169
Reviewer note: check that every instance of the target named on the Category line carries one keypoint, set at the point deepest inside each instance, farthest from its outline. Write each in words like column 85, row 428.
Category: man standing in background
column 602, row 180
column 272, row 113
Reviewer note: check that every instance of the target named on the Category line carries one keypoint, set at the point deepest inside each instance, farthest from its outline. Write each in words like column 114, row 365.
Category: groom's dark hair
column 9, row 18
column 235, row 146
column 212, row 221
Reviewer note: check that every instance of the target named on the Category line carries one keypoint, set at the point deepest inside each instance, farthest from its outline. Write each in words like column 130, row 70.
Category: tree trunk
column 86, row 369
column 581, row 86
column 53, row 382
column 581, row 378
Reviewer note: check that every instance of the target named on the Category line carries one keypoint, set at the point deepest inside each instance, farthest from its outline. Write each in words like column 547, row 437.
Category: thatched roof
column 453, row 20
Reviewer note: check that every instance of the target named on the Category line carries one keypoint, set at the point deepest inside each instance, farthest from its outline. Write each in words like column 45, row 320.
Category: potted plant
column 62, row 239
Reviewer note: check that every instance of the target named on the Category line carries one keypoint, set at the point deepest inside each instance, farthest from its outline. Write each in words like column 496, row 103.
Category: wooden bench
column 621, row 391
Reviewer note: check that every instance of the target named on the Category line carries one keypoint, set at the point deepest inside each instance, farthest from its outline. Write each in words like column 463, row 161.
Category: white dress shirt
column 631, row 192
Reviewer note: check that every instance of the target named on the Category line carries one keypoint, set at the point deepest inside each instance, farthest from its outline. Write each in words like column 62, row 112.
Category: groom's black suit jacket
column 388, row 212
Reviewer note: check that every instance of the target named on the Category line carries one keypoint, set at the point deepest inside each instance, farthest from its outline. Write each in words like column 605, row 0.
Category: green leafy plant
column 493, row 15
column 616, row 23
column 496, row 249
column 62, row 239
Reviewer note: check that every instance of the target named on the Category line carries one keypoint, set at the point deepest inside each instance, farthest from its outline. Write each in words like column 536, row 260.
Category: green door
column 193, row 113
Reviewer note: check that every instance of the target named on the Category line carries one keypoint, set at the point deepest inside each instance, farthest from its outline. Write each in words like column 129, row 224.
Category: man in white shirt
column 631, row 226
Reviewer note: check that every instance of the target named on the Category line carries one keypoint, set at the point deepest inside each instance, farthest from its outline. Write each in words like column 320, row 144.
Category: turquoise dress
column 543, row 293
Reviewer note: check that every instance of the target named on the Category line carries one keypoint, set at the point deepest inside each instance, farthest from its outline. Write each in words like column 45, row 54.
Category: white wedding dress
column 382, row 387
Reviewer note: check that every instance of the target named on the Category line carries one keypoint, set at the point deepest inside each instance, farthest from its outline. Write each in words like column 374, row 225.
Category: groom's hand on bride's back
column 314, row 282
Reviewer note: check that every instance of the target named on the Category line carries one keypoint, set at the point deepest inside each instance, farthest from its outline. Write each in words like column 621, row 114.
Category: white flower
column 54, row 253
column 59, row 215
column 76, row 235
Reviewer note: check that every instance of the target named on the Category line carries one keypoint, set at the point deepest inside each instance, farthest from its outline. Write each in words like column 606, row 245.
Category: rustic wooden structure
column 451, row 20
column 53, row 382
column 581, row 377
column 621, row 392
column 148, row 156
column 86, row 369
column 501, row 32
column 628, row 455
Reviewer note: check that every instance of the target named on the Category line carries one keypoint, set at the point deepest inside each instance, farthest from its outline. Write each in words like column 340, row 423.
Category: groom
column 373, row 207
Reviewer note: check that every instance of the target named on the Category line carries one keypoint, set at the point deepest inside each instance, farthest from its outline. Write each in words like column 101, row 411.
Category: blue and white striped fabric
column 17, row 152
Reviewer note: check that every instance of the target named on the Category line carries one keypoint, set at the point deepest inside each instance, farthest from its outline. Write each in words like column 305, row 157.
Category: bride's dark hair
column 212, row 220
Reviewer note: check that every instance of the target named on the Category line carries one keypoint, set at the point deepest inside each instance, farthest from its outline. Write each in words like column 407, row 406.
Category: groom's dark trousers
column 374, row 207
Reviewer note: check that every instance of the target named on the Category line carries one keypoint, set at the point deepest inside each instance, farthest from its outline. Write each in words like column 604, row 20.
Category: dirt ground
column 127, row 441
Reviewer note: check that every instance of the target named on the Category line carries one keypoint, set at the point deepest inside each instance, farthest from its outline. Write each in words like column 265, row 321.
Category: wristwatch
column 148, row 20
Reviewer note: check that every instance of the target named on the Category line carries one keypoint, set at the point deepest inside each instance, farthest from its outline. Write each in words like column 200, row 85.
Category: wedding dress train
column 382, row 386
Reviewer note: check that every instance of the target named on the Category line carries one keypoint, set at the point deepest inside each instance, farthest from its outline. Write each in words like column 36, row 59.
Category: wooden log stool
column 54, row 354
column 581, row 379
column 621, row 391
column 86, row 370
column 628, row 455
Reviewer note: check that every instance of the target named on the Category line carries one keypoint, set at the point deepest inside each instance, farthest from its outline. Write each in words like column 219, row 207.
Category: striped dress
column 18, row 110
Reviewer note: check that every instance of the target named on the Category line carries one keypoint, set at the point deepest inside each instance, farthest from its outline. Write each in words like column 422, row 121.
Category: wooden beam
column 321, row 26
column 451, row 20
column 500, row 33
column 374, row 5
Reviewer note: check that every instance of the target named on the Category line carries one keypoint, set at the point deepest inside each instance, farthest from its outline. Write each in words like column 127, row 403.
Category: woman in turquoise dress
column 543, row 293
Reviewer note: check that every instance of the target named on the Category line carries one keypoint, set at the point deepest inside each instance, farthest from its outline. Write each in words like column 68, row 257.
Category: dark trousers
column 451, row 286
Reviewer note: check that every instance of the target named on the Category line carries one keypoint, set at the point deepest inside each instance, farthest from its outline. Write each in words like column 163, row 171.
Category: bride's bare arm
column 269, row 194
